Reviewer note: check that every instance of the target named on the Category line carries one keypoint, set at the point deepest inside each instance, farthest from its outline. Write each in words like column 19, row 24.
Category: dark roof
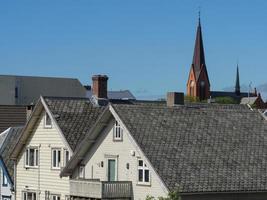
column 75, row 116
column 7, row 147
column 230, row 94
column 12, row 116
column 26, row 90
column 209, row 148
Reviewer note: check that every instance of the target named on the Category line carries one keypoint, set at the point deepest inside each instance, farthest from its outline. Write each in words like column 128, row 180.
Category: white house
column 7, row 142
column 46, row 143
column 208, row 151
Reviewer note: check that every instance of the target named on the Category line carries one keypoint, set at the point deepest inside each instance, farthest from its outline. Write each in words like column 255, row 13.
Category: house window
column 4, row 183
column 143, row 173
column 81, row 171
column 29, row 195
column 192, row 84
column 56, row 158
column 31, row 157
column 55, row 197
column 6, row 197
column 47, row 121
column 66, row 156
column 117, row 131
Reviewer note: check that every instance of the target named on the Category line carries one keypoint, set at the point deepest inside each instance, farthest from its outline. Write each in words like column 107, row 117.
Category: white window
column 143, row 173
column 31, row 157
column 47, row 121
column 56, row 158
column 81, row 171
column 66, row 156
column 55, row 197
column 29, row 195
column 117, row 131
column 4, row 183
column 6, row 197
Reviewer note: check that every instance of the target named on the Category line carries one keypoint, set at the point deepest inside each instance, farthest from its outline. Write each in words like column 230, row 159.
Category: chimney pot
column 175, row 98
column 100, row 85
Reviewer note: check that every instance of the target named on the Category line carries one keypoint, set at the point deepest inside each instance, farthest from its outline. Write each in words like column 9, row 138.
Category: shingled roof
column 75, row 116
column 12, row 116
column 201, row 148
column 11, row 138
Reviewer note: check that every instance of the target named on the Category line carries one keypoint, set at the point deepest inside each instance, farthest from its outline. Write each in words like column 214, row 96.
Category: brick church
column 198, row 84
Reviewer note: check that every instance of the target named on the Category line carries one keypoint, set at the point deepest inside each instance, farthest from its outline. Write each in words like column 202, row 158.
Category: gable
column 126, row 152
column 32, row 126
column 198, row 147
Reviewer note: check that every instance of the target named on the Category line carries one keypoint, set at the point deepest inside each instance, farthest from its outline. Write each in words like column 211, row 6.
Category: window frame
column 81, row 170
column 45, row 120
column 144, row 168
column 28, row 192
column 117, row 131
column 35, row 157
column 58, row 162
column 65, row 159
column 57, row 196
column 4, row 179
column 4, row 197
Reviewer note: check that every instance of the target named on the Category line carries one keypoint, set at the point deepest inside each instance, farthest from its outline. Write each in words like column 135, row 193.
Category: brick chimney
column 100, row 85
column 175, row 98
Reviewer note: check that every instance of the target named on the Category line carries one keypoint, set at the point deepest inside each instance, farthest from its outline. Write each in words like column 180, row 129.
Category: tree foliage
column 225, row 100
column 173, row 195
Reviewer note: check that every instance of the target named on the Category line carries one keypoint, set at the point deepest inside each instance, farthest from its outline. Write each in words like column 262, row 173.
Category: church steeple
column 237, row 83
column 199, row 55
column 198, row 84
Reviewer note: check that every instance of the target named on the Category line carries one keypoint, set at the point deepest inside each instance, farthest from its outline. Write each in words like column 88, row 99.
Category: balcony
column 88, row 188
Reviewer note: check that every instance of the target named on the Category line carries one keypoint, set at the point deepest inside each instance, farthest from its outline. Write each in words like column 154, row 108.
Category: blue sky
column 142, row 45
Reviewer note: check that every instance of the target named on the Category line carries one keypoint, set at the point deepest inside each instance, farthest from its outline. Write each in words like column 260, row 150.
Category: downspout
column 1, row 181
column 15, row 180
column 39, row 191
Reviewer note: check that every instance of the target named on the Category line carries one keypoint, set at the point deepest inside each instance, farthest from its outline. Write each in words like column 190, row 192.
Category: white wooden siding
column 43, row 178
column 105, row 147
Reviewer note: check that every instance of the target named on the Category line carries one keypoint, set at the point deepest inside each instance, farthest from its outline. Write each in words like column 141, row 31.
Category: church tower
column 198, row 84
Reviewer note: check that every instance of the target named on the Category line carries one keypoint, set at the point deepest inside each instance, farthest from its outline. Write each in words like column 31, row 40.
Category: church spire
column 198, row 84
column 237, row 83
column 199, row 55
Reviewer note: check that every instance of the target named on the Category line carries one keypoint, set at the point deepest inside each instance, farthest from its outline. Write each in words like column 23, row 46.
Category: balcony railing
column 100, row 189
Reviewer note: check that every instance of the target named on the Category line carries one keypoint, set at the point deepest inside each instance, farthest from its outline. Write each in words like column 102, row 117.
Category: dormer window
column 47, row 121
column 117, row 132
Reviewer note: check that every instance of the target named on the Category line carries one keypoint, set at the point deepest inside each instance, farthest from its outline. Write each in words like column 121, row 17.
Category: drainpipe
column 15, row 180
column 39, row 192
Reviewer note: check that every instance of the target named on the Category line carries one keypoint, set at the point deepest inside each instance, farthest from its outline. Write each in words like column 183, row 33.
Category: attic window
column 117, row 132
column 47, row 121
column 143, row 173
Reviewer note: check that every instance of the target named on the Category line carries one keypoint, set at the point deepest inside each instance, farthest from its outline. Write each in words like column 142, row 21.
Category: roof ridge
column 66, row 98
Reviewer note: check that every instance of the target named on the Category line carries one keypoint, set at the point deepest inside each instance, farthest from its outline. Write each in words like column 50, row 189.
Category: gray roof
column 248, row 100
column 115, row 95
column 6, row 149
column 12, row 116
column 209, row 148
column 25, row 90
column 75, row 116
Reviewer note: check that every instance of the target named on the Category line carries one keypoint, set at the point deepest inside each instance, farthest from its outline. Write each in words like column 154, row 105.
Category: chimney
column 100, row 85
column 175, row 98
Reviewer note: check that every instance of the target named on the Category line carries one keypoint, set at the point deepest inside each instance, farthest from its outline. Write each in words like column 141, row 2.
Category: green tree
column 173, row 195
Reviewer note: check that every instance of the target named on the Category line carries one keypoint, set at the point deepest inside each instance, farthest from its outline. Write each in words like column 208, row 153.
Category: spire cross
column 199, row 12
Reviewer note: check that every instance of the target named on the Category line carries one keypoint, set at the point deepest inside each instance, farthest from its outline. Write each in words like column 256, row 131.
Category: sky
column 145, row 46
